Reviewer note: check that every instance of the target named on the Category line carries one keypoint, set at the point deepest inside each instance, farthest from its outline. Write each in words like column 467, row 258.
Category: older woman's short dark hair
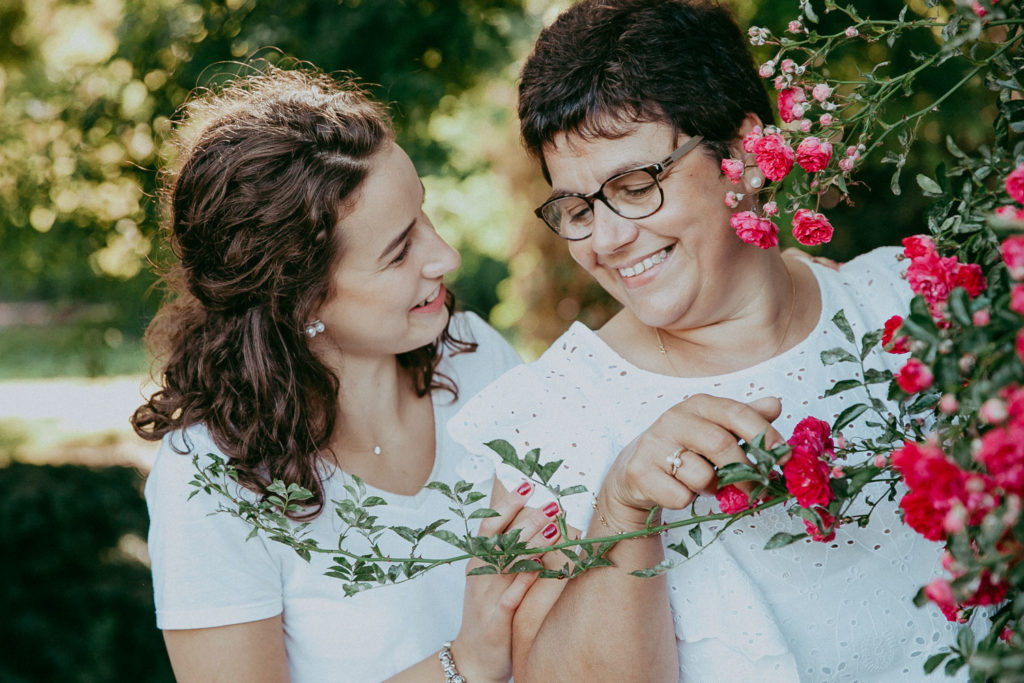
column 606, row 64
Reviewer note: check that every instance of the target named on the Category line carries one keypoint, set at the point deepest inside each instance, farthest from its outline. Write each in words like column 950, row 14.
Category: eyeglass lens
column 634, row 194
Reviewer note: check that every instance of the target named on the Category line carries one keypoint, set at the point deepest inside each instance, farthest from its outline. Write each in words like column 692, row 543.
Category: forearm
column 430, row 669
column 607, row 622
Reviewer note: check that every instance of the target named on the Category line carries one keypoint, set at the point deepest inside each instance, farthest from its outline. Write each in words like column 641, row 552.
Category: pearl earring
column 314, row 328
column 756, row 181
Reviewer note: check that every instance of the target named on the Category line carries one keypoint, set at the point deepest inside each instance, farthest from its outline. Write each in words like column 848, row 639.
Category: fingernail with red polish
column 524, row 488
column 551, row 509
column 550, row 531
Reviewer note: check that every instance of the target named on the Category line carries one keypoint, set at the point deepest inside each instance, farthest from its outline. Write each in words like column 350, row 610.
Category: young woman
column 630, row 107
column 310, row 338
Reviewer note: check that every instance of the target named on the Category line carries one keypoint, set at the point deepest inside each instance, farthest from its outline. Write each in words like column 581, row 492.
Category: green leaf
column 848, row 416
column 680, row 548
column 959, row 306
column 530, row 460
column 411, row 535
column 868, row 342
column 782, row 539
column 487, row 569
column 503, row 448
column 734, row 472
column 840, row 321
column 873, row 376
column 696, row 534
column 837, row 355
column 450, row 538
column 841, row 386
column 374, row 500
column 929, row 186
column 484, row 513
column 524, row 565
column 578, row 488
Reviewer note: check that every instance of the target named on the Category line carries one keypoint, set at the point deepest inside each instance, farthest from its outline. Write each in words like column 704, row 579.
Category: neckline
column 816, row 269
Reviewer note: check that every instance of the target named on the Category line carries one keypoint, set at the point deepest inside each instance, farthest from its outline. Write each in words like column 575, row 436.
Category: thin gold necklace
column 782, row 340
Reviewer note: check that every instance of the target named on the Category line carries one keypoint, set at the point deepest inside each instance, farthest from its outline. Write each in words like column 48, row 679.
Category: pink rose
column 948, row 404
column 733, row 169
column 732, row 500
column 774, row 156
column 931, row 276
column 789, row 99
column 1012, row 249
column 1002, row 454
column 811, row 228
column 795, row 26
column 821, row 92
column 981, row 317
column 754, row 229
column 941, row 593
column 890, row 342
column 825, row 119
column 852, row 32
column 914, row 376
column 846, row 164
column 1015, row 184
column 805, row 125
column 978, row 9
column 993, row 411
column 751, row 138
column 770, row 209
column 1017, row 299
column 813, row 154
column 1010, row 214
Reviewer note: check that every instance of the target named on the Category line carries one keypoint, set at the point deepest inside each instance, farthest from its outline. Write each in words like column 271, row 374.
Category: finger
column 513, row 595
column 507, row 504
column 741, row 419
column 696, row 472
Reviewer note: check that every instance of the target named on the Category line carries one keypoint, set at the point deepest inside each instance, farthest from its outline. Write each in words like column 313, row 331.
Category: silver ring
column 674, row 461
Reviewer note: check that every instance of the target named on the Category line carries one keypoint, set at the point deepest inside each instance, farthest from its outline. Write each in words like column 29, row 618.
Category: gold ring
column 674, row 461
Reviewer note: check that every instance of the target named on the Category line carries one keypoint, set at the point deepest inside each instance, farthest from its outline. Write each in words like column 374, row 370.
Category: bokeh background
column 88, row 91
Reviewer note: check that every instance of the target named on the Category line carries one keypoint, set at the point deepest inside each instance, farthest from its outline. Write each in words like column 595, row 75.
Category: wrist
column 464, row 665
column 613, row 517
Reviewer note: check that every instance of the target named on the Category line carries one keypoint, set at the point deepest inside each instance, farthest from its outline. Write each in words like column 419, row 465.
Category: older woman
column 630, row 107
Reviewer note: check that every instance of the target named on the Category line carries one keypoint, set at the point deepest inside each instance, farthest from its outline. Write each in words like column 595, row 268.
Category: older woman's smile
column 644, row 264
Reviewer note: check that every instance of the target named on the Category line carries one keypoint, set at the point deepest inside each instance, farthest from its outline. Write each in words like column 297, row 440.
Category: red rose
column 810, row 228
column 732, row 500
column 890, row 342
column 1017, row 299
column 807, row 478
column 754, row 229
column 914, row 376
column 968, row 276
column 827, row 531
column 774, row 156
column 931, row 276
column 916, row 246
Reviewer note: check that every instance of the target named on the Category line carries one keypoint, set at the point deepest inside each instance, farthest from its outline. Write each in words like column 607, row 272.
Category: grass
column 76, row 350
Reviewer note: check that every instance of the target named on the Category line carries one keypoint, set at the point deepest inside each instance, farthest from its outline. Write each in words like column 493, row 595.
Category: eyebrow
column 621, row 168
column 393, row 244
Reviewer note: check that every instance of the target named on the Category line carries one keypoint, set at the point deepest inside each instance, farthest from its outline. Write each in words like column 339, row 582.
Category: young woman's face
column 675, row 267
column 387, row 291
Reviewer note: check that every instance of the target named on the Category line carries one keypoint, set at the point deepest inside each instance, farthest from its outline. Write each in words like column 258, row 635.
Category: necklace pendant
column 376, row 450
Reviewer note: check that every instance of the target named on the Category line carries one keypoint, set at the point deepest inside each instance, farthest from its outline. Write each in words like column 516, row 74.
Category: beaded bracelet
column 451, row 674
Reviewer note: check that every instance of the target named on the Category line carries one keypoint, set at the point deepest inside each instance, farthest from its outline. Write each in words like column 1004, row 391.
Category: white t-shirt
column 838, row 611
column 206, row 574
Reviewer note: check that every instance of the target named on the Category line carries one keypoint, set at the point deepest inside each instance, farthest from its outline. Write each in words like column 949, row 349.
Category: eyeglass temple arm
column 687, row 146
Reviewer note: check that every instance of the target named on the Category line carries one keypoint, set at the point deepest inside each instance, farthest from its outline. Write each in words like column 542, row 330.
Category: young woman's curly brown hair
column 266, row 168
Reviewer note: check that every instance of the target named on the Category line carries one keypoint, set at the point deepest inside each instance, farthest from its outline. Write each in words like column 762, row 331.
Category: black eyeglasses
column 630, row 194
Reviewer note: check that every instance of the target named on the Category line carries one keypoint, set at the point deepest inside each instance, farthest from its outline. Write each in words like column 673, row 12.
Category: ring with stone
column 674, row 461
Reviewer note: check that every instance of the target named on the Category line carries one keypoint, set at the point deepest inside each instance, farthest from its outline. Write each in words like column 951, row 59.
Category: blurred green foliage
column 78, row 599
column 88, row 89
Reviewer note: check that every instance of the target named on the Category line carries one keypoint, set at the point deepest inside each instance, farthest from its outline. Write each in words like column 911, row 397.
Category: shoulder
column 473, row 370
column 872, row 286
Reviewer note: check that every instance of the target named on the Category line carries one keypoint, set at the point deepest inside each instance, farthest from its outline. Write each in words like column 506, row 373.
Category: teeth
column 650, row 261
column 432, row 297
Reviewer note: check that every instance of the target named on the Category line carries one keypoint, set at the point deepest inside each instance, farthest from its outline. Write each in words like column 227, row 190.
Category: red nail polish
column 549, row 532
column 524, row 488
column 551, row 509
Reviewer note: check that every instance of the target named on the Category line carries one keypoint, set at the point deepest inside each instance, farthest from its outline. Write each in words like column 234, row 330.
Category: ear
column 750, row 121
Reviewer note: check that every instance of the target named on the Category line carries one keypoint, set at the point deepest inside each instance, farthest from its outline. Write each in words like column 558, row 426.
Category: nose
column 441, row 259
column 611, row 231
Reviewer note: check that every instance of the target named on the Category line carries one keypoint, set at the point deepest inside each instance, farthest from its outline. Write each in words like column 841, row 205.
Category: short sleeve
column 205, row 572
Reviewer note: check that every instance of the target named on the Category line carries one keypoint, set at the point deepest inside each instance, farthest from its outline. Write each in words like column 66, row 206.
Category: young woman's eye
column 402, row 254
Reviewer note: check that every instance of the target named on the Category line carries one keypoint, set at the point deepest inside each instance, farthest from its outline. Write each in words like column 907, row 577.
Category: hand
column 483, row 648
column 703, row 431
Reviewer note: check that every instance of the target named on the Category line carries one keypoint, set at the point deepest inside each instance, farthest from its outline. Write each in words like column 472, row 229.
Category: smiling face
column 387, row 293
column 680, row 267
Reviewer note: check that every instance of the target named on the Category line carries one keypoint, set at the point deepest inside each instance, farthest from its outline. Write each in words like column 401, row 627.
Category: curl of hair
column 605, row 65
column 266, row 167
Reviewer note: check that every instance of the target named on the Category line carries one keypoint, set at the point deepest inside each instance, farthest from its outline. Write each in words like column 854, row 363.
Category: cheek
column 581, row 255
